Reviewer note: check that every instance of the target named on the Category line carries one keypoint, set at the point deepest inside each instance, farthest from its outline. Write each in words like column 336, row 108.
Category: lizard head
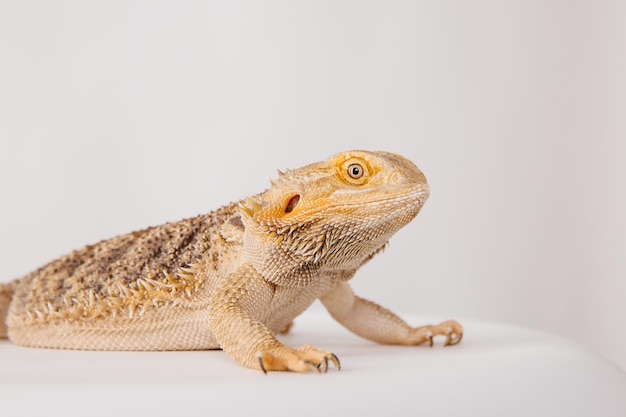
column 330, row 215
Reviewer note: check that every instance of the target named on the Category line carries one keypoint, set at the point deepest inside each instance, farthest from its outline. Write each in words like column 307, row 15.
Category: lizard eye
column 355, row 171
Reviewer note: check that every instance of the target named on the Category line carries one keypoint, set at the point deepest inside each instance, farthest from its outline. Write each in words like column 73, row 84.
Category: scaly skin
column 233, row 278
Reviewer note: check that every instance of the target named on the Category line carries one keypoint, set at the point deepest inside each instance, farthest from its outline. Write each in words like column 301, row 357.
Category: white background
column 119, row 115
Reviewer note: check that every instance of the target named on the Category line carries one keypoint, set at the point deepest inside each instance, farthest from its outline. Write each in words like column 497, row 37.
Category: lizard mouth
column 412, row 200
column 403, row 194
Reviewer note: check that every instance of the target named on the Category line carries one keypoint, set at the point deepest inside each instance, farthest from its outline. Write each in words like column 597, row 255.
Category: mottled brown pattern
column 123, row 260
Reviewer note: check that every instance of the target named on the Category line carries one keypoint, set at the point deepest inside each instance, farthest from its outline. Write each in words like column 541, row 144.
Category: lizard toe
column 320, row 357
column 452, row 330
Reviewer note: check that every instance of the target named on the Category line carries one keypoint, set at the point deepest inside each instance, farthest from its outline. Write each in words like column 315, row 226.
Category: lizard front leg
column 235, row 312
column 373, row 322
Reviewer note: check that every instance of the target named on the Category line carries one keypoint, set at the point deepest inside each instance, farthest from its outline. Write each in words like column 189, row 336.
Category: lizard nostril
column 293, row 202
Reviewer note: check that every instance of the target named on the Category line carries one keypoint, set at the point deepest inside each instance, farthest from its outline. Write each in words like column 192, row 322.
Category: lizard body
column 233, row 278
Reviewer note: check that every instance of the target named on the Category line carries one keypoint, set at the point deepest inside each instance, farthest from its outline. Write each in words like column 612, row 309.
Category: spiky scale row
column 122, row 300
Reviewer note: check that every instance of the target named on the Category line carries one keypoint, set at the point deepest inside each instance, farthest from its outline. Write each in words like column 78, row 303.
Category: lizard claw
column 323, row 367
column 321, row 357
column 260, row 358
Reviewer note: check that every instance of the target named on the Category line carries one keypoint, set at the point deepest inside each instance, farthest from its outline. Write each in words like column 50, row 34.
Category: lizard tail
column 6, row 294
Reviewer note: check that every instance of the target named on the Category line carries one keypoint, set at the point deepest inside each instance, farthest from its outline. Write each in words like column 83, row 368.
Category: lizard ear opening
column 293, row 202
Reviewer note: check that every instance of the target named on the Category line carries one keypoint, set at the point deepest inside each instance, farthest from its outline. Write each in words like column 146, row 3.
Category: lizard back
column 124, row 275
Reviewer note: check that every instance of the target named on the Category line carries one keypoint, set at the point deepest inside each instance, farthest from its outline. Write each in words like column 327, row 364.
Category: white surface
column 497, row 370
column 115, row 115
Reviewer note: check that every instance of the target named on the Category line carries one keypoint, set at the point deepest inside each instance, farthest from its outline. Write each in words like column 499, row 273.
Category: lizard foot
column 304, row 359
column 451, row 329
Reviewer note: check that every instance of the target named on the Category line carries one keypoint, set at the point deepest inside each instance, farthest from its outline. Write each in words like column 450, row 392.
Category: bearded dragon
column 232, row 279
